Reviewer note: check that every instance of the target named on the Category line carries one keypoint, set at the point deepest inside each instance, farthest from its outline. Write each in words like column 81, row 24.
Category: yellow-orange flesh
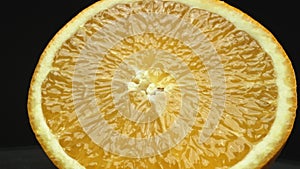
column 250, row 103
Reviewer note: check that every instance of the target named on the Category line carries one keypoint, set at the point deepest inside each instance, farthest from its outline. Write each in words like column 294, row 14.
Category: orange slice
column 162, row 84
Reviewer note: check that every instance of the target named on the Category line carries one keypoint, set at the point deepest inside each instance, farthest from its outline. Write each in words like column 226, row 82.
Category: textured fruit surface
column 162, row 84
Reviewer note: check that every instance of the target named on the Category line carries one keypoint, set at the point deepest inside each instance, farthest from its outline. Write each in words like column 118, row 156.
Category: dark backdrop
column 27, row 27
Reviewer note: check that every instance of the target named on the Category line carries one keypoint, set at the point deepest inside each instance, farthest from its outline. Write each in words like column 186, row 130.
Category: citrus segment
column 162, row 84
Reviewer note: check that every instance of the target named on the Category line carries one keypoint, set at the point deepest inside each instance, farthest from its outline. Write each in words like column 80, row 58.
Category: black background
column 27, row 27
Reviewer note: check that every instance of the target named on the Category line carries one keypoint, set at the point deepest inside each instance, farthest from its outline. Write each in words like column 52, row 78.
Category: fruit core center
column 150, row 82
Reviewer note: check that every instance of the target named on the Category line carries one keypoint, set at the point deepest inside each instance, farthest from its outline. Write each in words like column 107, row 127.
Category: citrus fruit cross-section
column 162, row 84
